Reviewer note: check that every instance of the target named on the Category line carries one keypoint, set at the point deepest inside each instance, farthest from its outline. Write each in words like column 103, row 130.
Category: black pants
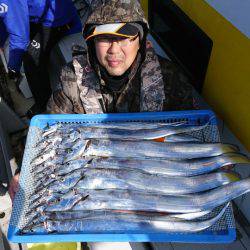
column 36, row 61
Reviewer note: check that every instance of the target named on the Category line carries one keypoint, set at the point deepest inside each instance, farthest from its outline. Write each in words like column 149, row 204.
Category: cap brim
column 116, row 29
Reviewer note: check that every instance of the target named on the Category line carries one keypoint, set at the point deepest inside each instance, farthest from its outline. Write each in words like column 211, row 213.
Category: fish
column 49, row 186
column 54, row 171
column 51, row 162
column 40, row 158
column 134, row 180
column 143, row 149
column 135, row 200
column 138, row 134
column 33, row 206
column 58, row 140
column 122, row 222
column 85, row 178
column 71, row 215
column 189, row 167
column 61, row 183
column 185, row 167
column 67, row 138
column 49, row 155
column 126, row 179
column 44, row 200
column 66, row 202
column 37, row 215
column 120, row 125
column 136, row 131
column 45, row 142
column 39, row 169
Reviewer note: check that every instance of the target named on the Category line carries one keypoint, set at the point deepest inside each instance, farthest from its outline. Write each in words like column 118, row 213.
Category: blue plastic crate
column 221, row 232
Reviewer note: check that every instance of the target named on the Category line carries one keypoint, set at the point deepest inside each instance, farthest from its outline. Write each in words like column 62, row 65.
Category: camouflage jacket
column 158, row 85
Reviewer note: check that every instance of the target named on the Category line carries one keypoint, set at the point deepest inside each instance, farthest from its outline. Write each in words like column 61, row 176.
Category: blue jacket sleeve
column 17, row 25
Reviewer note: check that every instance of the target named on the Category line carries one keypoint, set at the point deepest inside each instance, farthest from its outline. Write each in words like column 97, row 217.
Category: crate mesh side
column 26, row 184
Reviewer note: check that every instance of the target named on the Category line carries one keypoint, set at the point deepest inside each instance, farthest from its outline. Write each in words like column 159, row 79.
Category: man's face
column 116, row 54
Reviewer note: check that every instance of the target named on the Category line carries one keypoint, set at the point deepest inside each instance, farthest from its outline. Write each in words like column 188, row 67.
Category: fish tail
column 237, row 158
column 232, row 176
column 229, row 148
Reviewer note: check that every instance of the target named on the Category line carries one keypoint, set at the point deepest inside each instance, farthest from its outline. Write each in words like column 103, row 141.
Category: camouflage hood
column 117, row 11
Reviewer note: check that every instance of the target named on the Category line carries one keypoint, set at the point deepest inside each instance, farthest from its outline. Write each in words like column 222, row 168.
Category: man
column 120, row 72
column 34, row 27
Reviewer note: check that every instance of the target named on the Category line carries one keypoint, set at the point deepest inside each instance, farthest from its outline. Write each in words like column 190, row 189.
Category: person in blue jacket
column 33, row 28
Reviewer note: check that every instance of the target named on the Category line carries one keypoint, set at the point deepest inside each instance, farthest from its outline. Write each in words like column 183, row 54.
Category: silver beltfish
column 123, row 222
column 60, row 183
column 58, row 127
column 142, row 149
column 72, row 215
column 189, row 167
column 134, row 200
column 135, row 180
column 84, row 133
column 61, row 169
column 49, row 155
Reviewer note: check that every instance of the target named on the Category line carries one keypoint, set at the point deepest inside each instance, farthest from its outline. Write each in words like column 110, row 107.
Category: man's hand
column 14, row 186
